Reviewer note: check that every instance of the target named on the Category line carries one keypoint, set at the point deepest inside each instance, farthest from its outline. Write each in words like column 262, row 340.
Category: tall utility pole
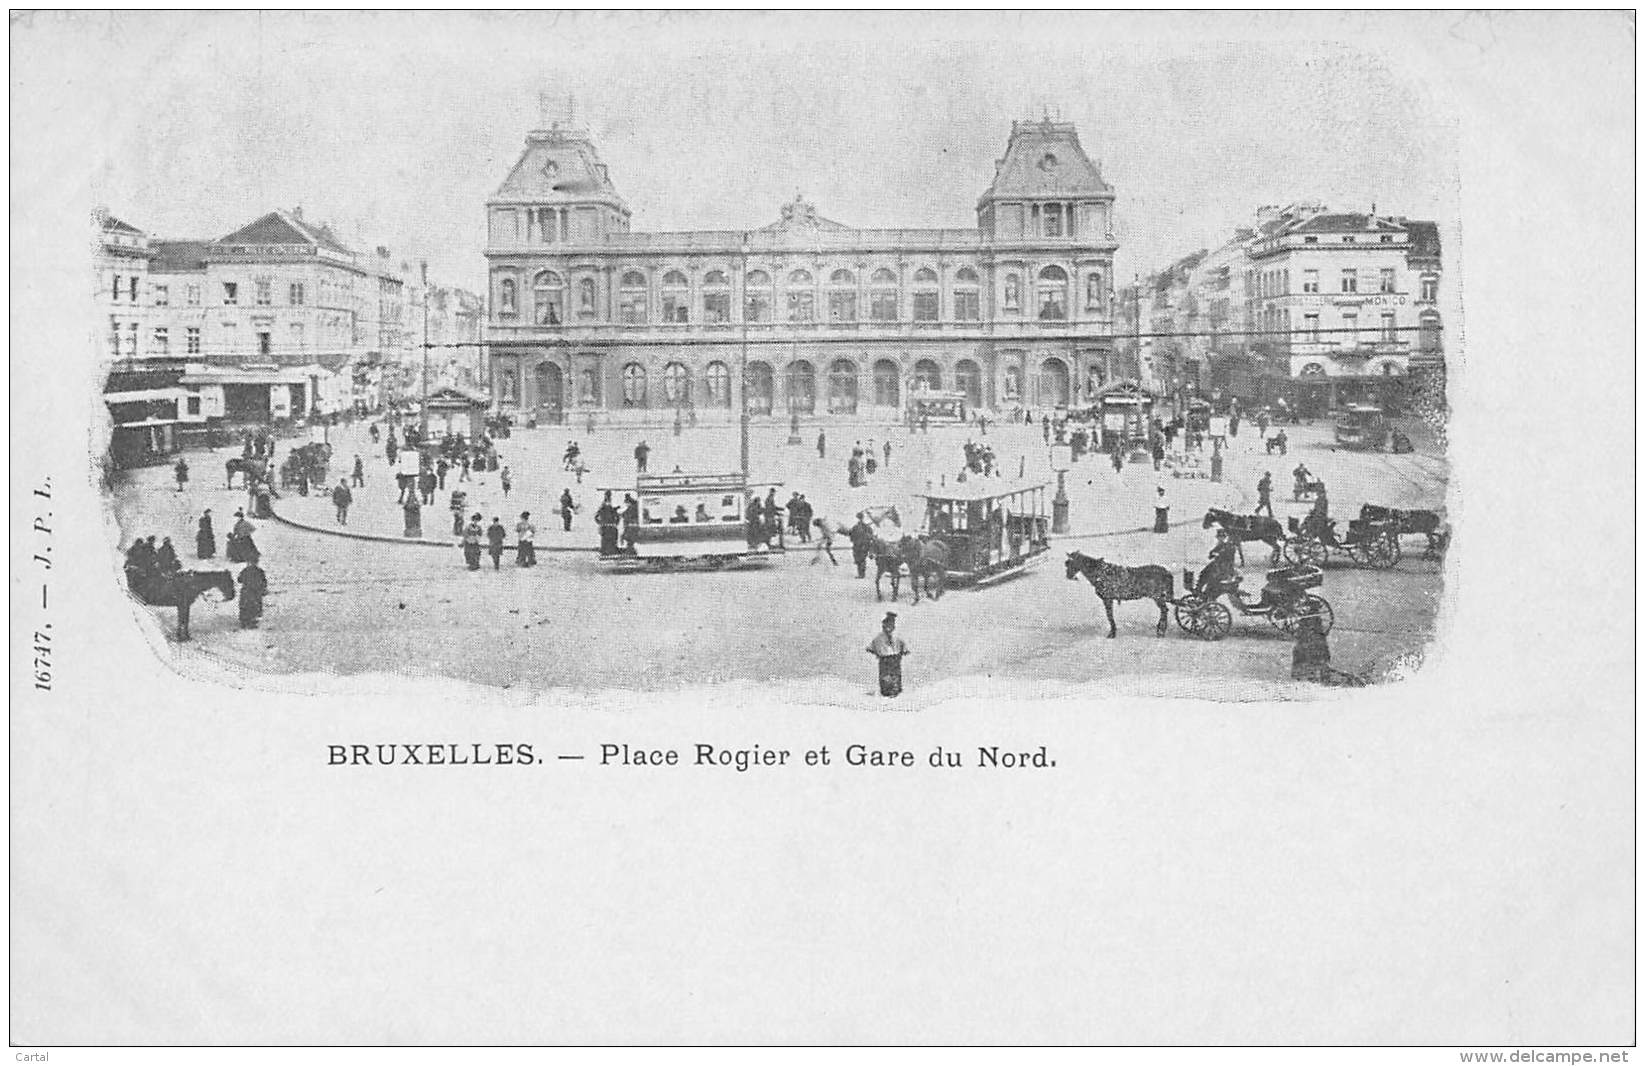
column 425, row 348
column 742, row 287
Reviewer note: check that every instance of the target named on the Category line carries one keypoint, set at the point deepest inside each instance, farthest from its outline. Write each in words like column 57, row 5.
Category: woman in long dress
column 205, row 541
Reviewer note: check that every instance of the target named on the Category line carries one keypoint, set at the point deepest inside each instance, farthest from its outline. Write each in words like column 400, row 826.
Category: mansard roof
column 180, row 257
column 1347, row 223
column 559, row 166
column 1045, row 159
column 114, row 225
column 278, row 227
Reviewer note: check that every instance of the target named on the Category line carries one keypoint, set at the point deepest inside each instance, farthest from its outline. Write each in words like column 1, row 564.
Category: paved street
column 355, row 606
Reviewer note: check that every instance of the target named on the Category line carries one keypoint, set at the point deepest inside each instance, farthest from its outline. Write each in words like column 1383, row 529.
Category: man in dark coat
column 165, row 560
column 862, row 543
column 414, row 516
column 568, row 507
column 641, row 451
column 253, row 587
column 359, row 472
column 822, row 444
column 1265, row 494
column 631, row 522
column 495, row 535
column 342, row 499
column 181, row 472
column 607, row 518
column 773, row 518
column 427, row 482
column 205, row 541
column 756, row 522
column 441, row 468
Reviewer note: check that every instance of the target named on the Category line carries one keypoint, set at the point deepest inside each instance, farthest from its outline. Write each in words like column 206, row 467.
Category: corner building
column 814, row 318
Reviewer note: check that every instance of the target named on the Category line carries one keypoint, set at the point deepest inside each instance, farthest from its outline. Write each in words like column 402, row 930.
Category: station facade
column 813, row 318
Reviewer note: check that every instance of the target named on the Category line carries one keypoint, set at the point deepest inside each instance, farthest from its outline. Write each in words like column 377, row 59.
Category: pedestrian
column 825, row 542
column 799, row 514
column 1045, row 427
column 427, row 482
column 342, row 499
column 302, row 482
column 507, row 480
column 441, row 469
column 888, row 455
column 473, row 534
column 1115, row 459
column 376, row 434
column 568, row 507
column 359, row 472
column 641, row 450
column 1216, row 460
column 822, row 444
column 463, row 465
column 631, row 523
column 525, row 539
column 205, row 541
column 796, row 515
column 414, row 516
column 1265, row 494
column 756, row 521
column 889, row 649
column 1162, row 511
column 1311, row 655
column 862, row 542
column 773, row 518
column 165, row 559
column 240, row 545
column 495, row 535
column 181, row 473
column 253, row 587
column 1159, row 452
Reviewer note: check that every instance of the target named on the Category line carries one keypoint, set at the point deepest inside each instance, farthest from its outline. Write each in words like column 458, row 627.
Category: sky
column 395, row 127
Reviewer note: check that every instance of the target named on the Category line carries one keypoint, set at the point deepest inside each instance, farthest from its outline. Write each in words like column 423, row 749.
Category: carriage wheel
column 1310, row 607
column 1383, row 553
column 1282, row 618
column 1288, row 551
column 1312, row 552
column 1188, row 616
column 1215, row 621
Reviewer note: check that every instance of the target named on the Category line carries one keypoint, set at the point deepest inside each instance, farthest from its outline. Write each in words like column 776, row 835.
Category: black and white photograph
column 834, row 528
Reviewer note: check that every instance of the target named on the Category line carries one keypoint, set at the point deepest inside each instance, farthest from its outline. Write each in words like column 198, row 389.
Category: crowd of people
column 153, row 573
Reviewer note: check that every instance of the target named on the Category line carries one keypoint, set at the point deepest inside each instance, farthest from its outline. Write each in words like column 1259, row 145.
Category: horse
column 1416, row 523
column 887, row 560
column 1113, row 582
column 181, row 589
column 249, row 468
column 1244, row 527
column 927, row 557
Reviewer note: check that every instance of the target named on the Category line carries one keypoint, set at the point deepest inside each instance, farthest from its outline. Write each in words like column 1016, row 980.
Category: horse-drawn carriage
column 1425, row 524
column 1368, row 542
column 1285, row 600
column 311, row 461
column 693, row 521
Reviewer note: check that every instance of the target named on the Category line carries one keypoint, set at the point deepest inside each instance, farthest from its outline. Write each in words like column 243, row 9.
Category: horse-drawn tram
column 691, row 521
column 990, row 529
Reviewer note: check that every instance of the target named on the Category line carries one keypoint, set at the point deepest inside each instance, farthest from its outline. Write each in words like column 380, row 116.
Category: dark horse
column 1415, row 523
column 887, row 560
column 181, row 589
column 927, row 558
column 1113, row 582
column 1244, row 527
column 251, row 468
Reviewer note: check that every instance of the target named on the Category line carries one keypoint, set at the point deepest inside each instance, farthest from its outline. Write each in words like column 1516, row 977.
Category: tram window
column 652, row 512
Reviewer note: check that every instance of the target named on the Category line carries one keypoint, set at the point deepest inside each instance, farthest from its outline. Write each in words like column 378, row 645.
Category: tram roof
column 665, row 483
column 981, row 489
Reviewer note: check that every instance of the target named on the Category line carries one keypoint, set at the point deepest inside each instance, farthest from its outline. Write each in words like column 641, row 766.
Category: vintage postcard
column 817, row 527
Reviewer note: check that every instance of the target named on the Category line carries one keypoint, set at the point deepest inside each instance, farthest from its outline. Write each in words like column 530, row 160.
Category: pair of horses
column 181, row 589
column 927, row 561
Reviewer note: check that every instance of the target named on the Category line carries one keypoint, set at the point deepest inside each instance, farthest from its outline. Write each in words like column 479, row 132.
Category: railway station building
column 814, row 318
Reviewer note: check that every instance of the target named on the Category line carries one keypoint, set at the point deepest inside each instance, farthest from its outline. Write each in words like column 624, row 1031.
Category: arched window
column 757, row 296
column 925, row 295
column 968, row 379
column 759, row 388
column 633, row 385
column 842, row 296
column 927, row 376
column 631, row 299
column 887, row 384
column 548, row 299
column 676, row 384
column 842, row 387
column 676, row 297
column 802, row 297
column 719, row 384
column 507, row 298
column 1054, row 383
column 1095, row 296
column 882, row 296
column 802, row 387
column 716, row 298
column 967, row 296
column 1053, row 294
column 1013, row 293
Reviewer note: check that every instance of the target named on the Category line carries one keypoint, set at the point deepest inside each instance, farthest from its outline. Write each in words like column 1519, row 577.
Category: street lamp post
column 424, row 420
column 1062, row 457
column 743, row 361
